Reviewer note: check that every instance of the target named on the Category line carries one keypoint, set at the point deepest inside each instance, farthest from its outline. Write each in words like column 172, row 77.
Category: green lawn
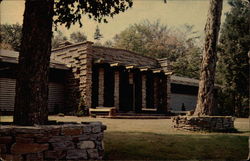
column 155, row 139
column 150, row 146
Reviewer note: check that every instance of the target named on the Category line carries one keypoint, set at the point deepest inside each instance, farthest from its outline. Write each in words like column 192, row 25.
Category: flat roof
column 11, row 56
column 187, row 81
column 110, row 55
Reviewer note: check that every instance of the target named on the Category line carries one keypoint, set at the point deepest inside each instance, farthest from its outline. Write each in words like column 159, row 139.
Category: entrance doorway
column 127, row 93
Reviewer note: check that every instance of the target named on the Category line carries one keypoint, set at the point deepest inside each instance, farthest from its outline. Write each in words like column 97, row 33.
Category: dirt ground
column 159, row 126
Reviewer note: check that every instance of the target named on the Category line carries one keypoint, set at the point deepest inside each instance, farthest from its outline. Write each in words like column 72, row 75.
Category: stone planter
column 52, row 142
column 204, row 123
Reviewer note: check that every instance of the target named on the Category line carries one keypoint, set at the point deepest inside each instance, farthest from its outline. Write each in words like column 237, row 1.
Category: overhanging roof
column 10, row 56
column 187, row 81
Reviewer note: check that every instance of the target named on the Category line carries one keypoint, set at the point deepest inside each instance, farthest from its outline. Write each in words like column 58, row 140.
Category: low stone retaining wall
column 204, row 123
column 52, row 142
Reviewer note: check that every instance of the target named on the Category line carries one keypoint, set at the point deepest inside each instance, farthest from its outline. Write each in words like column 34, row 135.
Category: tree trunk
column 206, row 85
column 248, row 158
column 239, row 107
column 31, row 104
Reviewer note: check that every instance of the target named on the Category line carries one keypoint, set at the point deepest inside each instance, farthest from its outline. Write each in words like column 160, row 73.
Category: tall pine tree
column 97, row 34
column 233, row 59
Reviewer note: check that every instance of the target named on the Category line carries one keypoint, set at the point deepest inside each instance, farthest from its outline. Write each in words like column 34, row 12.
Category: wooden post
column 101, row 87
column 116, row 89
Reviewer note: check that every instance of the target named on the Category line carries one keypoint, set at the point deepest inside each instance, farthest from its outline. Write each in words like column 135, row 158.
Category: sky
column 174, row 14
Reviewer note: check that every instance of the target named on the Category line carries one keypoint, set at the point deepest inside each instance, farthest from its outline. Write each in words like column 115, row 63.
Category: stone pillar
column 144, row 91
column 156, row 91
column 117, row 89
column 88, row 87
column 81, row 64
column 85, row 73
column 168, row 77
column 79, row 83
column 131, row 81
column 101, row 87
column 165, row 93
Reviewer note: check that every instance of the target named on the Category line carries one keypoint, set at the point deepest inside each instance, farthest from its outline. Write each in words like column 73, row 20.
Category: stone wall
column 204, row 123
column 52, row 142
column 165, row 65
column 117, row 89
column 165, row 92
column 79, row 83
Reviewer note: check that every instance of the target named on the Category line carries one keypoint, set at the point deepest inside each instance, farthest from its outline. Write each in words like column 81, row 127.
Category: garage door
column 7, row 95
column 56, row 97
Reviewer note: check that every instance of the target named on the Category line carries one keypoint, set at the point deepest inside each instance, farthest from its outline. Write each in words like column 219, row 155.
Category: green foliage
column 80, row 113
column 97, row 34
column 77, row 37
column 159, row 41
column 189, row 64
column 81, row 110
column 58, row 38
column 233, row 65
column 69, row 12
column 149, row 39
column 5, row 46
column 108, row 43
column 10, row 36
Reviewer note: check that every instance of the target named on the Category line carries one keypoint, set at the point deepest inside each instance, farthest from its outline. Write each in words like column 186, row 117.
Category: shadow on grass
column 150, row 146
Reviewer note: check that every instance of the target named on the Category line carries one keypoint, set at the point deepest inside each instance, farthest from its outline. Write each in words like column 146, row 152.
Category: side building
column 184, row 92
column 8, row 72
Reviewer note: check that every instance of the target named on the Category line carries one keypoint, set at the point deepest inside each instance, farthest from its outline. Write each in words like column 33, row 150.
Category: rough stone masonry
column 204, row 123
column 52, row 142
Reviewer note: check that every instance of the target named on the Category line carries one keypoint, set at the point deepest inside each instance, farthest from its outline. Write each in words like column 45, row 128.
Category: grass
column 159, row 126
column 155, row 139
column 150, row 146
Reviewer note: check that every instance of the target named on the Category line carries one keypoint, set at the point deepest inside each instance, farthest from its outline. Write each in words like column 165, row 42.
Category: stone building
column 94, row 76
column 109, row 77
